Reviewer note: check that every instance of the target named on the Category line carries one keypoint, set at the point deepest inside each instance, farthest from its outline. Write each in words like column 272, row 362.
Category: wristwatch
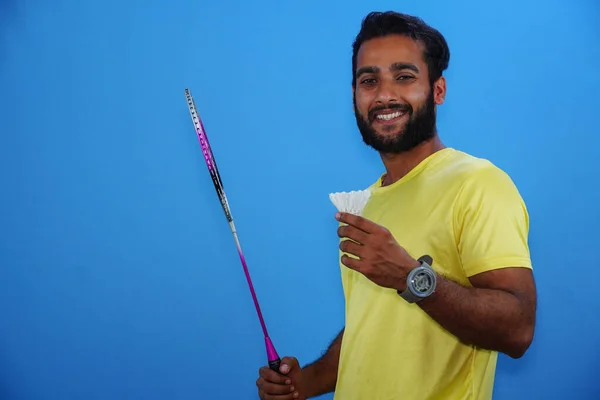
column 420, row 282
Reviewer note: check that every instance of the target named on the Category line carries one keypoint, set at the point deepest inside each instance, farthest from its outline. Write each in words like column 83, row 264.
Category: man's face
column 394, row 102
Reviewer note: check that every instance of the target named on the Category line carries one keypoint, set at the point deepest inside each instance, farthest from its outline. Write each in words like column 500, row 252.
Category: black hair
column 380, row 24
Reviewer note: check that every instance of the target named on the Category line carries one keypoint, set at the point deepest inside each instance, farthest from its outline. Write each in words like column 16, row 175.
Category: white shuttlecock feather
column 350, row 202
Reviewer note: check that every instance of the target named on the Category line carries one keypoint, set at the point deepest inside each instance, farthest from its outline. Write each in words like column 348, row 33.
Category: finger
column 351, row 232
column 275, row 389
column 261, row 382
column 352, row 263
column 270, row 376
column 262, row 395
column 288, row 364
column 350, row 247
column 289, row 396
column 357, row 221
column 268, row 390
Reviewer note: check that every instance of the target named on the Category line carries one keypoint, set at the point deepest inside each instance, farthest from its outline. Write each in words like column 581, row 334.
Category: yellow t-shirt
column 469, row 216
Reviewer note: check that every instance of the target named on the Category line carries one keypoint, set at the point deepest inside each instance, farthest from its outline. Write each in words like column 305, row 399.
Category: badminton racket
column 272, row 356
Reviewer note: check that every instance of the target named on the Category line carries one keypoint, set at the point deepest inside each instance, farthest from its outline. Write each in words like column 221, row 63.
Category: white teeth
column 387, row 117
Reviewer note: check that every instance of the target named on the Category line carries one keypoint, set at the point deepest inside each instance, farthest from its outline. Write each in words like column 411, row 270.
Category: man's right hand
column 285, row 385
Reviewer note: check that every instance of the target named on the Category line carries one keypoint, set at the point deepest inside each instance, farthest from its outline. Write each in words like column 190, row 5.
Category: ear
column 439, row 90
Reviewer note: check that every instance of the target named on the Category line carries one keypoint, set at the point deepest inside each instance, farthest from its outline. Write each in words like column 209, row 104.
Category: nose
column 386, row 92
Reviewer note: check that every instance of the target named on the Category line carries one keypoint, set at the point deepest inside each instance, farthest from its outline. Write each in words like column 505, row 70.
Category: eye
column 404, row 77
column 368, row 81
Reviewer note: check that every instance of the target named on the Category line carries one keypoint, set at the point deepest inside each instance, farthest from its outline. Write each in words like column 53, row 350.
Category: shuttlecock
column 350, row 202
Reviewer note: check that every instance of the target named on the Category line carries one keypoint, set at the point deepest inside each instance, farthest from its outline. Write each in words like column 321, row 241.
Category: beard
column 421, row 127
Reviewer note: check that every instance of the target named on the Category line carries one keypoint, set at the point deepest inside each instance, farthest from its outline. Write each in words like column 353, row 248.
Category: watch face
column 422, row 282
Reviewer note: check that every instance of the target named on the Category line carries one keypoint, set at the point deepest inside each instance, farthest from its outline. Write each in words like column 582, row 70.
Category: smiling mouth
column 387, row 117
column 391, row 116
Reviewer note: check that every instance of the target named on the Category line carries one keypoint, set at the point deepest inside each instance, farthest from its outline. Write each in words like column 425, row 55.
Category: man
column 436, row 272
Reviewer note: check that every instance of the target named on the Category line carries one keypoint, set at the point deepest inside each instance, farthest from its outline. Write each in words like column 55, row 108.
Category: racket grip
column 272, row 356
column 274, row 365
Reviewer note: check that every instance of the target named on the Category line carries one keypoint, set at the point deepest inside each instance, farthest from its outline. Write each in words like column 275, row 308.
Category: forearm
column 321, row 376
column 493, row 319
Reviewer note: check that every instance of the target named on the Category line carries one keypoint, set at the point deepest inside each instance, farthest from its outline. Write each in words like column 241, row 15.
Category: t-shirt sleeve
column 491, row 223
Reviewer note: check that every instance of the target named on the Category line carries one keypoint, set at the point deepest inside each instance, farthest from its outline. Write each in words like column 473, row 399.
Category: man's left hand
column 379, row 256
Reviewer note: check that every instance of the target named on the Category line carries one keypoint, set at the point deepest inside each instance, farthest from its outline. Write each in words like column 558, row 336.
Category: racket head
column 208, row 154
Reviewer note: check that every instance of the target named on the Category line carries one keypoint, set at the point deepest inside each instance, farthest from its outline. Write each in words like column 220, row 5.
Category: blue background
column 119, row 276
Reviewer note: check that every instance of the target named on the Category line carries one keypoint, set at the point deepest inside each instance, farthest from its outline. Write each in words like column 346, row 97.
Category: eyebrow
column 394, row 67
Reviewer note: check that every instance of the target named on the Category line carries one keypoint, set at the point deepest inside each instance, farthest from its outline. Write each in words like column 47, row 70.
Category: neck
column 400, row 164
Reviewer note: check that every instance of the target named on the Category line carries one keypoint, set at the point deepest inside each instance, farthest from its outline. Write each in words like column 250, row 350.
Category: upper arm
column 517, row 281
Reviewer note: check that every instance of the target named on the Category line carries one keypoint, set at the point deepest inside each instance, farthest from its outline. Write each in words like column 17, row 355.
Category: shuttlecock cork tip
column 352, row 202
